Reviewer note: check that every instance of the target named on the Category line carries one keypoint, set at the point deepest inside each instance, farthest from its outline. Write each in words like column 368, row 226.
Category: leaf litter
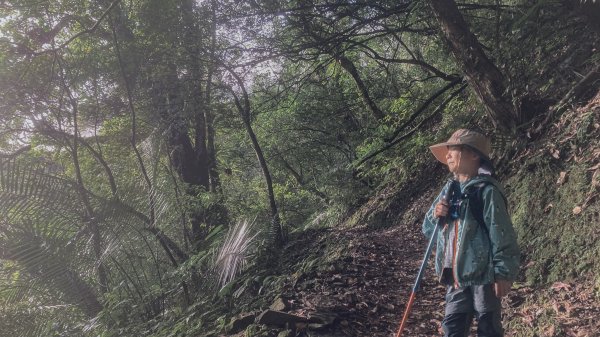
column 367, row 288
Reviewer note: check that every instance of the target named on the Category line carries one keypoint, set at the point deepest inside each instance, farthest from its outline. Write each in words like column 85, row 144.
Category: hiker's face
column 461, row 160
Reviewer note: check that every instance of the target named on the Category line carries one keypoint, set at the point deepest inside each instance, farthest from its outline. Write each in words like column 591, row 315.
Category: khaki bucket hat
column 473, row 139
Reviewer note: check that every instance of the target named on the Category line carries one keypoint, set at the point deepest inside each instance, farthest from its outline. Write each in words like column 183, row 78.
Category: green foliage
column 130, row 225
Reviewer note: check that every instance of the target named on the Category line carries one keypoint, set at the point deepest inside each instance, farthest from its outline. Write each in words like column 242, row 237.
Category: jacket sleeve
column 505, row 249
column 430, row 220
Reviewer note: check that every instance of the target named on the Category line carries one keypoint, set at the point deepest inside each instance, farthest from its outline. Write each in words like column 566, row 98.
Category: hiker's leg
column 488, row 308
column 489, row 324
column 457, row 325
column 459, row 312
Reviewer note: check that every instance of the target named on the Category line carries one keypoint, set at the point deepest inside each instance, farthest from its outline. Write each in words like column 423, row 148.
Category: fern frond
column 234, row 252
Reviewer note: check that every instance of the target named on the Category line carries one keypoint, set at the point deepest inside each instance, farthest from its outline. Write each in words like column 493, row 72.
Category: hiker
column 477, row 255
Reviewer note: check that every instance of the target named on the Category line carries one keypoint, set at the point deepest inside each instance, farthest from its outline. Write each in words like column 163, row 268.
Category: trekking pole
column 417, row 284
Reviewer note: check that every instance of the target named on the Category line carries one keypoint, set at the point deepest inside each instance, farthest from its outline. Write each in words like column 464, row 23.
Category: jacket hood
column 482, row 178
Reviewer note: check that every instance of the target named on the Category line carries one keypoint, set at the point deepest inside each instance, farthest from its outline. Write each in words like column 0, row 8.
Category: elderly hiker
column 477, row 256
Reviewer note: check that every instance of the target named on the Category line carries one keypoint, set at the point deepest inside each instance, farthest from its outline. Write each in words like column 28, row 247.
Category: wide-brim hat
column 473, row 139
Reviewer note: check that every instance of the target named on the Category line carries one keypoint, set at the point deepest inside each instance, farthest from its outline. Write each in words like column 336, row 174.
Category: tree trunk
column 209, row 115
column 121, row 31
column 200, row 95
column 189, row 162
column 276, row 229
column 89, row 210
column 486, row 80
column 362, row 88
column 195, row 92
column 244, row 110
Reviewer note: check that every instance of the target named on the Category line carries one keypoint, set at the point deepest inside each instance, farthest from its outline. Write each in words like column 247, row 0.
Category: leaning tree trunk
column 360, row 85
column 244, row 110
column 276, row 229
column 483, row 76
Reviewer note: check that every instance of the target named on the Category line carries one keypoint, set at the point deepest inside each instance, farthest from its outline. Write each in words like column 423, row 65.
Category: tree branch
column 53, row 133
column 422, row 108
column 83, row 32
column 16, row 153
column 411, row 132
column 426, row 66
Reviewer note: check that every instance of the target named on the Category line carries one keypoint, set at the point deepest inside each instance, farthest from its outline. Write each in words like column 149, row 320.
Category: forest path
column 368, row 286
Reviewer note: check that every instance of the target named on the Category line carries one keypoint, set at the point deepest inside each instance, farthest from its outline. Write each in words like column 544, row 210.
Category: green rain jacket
column 483, row 252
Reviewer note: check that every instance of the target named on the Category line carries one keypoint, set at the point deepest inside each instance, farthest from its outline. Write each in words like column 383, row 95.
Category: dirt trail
column 367, row 288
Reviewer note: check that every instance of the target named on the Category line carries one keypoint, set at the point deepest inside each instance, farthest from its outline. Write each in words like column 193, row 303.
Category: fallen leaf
column 568, row 308
column 560, row 286
column 596, row 178
column 549, row 332
column 589, row 199
column 562, row 178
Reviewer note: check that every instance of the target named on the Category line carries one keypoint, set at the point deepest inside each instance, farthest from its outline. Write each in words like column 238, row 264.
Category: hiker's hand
column 441, row 208
column 502, row 288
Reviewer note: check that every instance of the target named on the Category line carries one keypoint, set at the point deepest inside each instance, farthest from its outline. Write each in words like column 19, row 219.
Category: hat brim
column 441, row 150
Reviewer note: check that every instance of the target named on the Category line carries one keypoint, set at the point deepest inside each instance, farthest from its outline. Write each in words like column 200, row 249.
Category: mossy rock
column 240, row 323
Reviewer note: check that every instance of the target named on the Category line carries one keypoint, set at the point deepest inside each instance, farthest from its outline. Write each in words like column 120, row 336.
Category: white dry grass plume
column 233, row 254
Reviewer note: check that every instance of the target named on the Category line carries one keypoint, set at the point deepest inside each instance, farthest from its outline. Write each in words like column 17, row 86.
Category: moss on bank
column 553, row 191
